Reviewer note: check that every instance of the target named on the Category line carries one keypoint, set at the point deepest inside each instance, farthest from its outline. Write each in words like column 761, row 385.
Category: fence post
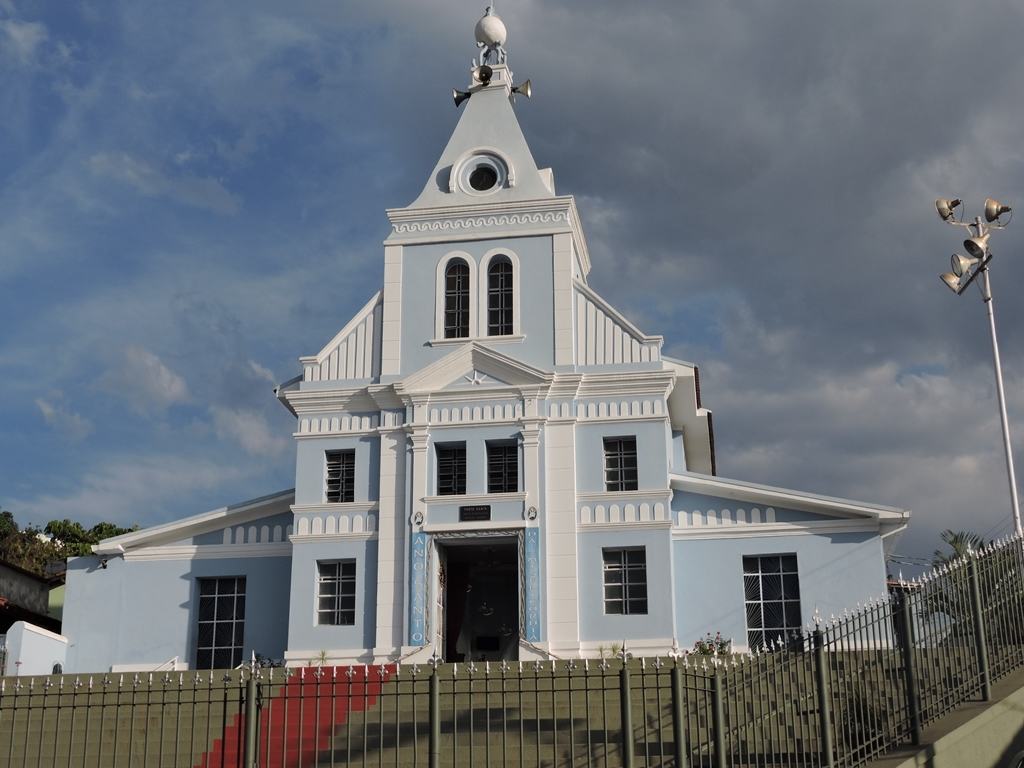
column 678, row 732
column 626, row 709
column 251, row 720
column 435, row 720
column 979, row 629
column 824, row 702
column 718, row 718
column 909, row 674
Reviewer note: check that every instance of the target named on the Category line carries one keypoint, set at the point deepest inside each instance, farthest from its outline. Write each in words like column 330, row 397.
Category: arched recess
column 439, row 292
column 491, row 257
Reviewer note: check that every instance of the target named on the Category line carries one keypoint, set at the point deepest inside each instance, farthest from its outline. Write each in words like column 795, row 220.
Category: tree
column 959, row 542
column 33, row 549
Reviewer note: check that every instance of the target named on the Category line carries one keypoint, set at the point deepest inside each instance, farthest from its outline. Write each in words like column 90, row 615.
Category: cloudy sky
column 193, row 195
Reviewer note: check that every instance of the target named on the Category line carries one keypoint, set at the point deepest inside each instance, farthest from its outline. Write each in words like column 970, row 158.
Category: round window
column 483, row 178
column 481, row 174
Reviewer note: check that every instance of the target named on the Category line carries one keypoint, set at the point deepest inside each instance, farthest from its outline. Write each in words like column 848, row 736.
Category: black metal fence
column 840, row 694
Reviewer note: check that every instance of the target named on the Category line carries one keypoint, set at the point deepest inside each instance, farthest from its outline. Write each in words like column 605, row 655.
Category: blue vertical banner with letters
column 418, row 588
column 531, row 573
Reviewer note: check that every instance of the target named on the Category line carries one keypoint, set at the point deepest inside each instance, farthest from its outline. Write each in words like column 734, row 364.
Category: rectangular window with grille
column 221, row 623
column 625, row 580
column 502, row 467
column 451, row 469
column 341, row 476
column 336, row 592
column 771, row 588
column 620, row 464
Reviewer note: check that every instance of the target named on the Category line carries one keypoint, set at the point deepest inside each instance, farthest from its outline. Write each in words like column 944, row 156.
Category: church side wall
column 142, row 612
column 836, row 572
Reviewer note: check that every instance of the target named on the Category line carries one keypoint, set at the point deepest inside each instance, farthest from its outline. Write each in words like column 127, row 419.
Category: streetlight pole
column 965, row 270
column 986, row 293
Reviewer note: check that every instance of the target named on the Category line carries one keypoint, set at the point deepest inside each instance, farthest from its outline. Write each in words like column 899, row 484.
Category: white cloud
column 249, row 429
column 132, row 490
column 22, row 39
column 196, row 191
column 144, row 381
column 63, row 419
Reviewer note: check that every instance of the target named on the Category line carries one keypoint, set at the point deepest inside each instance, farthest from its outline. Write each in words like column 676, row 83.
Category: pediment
column 473, row 367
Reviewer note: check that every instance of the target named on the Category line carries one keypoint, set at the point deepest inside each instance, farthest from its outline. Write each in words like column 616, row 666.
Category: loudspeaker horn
column 961, row 264
column 994, row 209
column 460, row 96
column 977, row 247
column 526, row 89
column 952, row 281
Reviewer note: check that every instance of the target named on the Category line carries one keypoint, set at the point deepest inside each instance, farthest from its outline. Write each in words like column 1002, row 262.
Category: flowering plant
column 714, row 645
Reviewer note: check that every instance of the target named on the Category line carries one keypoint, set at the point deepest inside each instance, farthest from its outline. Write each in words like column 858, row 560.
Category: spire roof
column 487, row 159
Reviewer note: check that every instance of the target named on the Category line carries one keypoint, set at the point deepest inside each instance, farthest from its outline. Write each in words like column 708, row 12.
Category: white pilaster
column 391, row 534
column 562, row 266
column 560, row 538
column 391, row 327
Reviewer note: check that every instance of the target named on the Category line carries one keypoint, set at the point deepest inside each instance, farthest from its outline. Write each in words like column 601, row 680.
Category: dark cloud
column 756, row 182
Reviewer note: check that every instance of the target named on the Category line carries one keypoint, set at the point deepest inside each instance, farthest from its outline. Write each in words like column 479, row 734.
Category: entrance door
column 481, row 600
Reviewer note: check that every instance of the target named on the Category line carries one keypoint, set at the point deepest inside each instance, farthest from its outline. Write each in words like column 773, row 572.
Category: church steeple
column 487, row 159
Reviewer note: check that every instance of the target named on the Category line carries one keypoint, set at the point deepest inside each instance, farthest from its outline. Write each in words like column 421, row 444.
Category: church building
column 492, row 462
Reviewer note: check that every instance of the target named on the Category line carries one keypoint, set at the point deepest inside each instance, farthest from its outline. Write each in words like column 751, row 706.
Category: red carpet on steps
column 293, row 730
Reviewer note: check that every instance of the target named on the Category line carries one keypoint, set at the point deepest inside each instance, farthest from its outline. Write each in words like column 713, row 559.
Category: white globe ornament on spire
column 491, row 36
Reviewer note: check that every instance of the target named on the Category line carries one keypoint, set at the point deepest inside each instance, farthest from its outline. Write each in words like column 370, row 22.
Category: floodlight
column 945, row 207
column 994, row 209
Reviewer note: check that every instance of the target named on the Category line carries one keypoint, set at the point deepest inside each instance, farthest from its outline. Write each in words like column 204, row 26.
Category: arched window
column 456, row 300
column 499, row 297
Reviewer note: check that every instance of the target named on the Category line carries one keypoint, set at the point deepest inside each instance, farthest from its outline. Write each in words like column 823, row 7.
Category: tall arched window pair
column 499, row 298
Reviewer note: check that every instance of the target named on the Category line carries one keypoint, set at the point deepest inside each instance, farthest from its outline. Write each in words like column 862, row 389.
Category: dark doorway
column 481, row 605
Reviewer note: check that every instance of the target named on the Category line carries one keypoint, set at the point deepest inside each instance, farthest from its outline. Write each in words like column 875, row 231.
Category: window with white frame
column 451, row 469
column 220, row 631
column 625, row 580
column 502, row 466
column 499, row 297
column 620, row 472
column 456, row 300
column 340, row 484
column 771, row 588
column 336, row 592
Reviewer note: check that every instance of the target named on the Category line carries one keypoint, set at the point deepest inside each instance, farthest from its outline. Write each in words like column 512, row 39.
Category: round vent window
column 482, row 174
column 483, row 178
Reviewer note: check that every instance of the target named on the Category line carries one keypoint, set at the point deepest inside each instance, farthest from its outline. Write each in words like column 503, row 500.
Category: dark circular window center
column 483, row 178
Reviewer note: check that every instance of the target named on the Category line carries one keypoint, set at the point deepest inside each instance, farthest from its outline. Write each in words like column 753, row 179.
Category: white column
column 392, row 525
column 562, row 587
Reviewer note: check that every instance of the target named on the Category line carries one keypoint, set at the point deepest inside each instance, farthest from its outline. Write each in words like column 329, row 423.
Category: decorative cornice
column 664, row 495
column 336, row 507
column 475, row 498
column 467, row 222
column 309, row 538
column 480, row 222
column 753, row 530
column 210, row 551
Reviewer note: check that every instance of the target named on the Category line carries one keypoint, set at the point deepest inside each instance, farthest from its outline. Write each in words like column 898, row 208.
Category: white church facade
column 491, row 463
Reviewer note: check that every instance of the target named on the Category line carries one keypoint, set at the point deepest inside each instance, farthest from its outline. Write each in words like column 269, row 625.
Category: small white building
column 492, row 463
